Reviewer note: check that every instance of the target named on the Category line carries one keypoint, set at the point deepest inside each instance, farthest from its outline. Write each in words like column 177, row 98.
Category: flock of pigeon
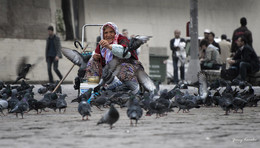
column 230, row 96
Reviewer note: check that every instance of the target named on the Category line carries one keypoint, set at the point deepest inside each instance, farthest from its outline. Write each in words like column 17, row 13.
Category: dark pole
column 65, row 5
column 194, row 64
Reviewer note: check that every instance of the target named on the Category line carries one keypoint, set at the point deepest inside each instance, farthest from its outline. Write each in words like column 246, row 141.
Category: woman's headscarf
column 104, row 51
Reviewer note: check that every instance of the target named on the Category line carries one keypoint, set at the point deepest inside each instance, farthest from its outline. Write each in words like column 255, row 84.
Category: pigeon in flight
column 24, row 67
column 135, row 43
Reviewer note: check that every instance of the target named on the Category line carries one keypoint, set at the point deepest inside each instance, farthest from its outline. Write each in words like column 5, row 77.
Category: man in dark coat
column 245, row 59
column 53, row 53
column 241, row 31
column 175, row 47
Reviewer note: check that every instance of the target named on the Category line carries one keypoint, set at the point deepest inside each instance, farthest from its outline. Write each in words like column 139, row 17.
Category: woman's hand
column 105, row 43
column 96, row 56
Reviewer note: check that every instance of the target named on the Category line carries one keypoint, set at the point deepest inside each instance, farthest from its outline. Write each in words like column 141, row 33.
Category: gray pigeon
column 134, row 110
column 42, row 90
column 225, row 103
column 21, row 106
column 86, row 95
column 110, row 117
column 13, row 101
column 61, row 102
column 3, row 103
column 2, row 85
column 238, row 103
column 84, row 109
column 44, row 102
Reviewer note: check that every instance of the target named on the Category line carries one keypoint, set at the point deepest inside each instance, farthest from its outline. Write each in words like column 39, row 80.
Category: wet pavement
column 203, row 127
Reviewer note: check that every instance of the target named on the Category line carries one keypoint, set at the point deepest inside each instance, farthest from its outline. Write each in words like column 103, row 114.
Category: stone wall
column 27, row 19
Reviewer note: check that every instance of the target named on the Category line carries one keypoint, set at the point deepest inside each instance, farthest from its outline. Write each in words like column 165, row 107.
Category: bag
column 229, row 74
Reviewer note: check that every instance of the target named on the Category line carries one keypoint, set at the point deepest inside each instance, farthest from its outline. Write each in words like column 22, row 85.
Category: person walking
column 53, row 53
column 177, row 45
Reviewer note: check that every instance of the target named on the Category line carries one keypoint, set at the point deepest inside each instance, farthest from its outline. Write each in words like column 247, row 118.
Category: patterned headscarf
column 104, row 51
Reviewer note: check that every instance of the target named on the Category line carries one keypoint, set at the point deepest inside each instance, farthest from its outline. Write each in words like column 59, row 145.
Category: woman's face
column 109, row 34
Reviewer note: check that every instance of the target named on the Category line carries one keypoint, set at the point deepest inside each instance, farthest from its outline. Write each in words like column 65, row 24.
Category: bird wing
column 21, row 65
column 203, row 86
column 143, row 38
column 135, row 43
column 145, row 81
column 73, row 55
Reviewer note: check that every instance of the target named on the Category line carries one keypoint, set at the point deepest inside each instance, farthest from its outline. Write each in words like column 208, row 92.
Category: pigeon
column 7, row 90
column 145, row 102
column 84, row 109
column 238, row 103
column 61, row 102
column 217, row 83
column 100, row 100
column 110, row 117
column 134, row 110
column 53, row 101
column 119, row 98
column 2, row 85
column 3, row 103
column 13, row 101
column 135, row 43
column 44, row 102
column 23, row 68
column 42, row 90
column 86, row 95
column 186, row 102
column 225, row 102
column 158, row 108
column 252, row 100
column 161, row 105
column 241, row 84
column 33, row 104
column 21, row 106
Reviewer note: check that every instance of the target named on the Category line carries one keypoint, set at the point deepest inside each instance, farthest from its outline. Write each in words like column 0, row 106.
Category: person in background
column 125, row 33
column 206, row 34
column 212, row 59
column 225, row 48
column 211, row 40
column 53, row 53
column 175, row 45
column 241, row 31
column 245, row 60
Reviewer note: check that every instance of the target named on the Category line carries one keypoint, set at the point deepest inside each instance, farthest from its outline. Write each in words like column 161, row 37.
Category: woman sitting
column 112, row 46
